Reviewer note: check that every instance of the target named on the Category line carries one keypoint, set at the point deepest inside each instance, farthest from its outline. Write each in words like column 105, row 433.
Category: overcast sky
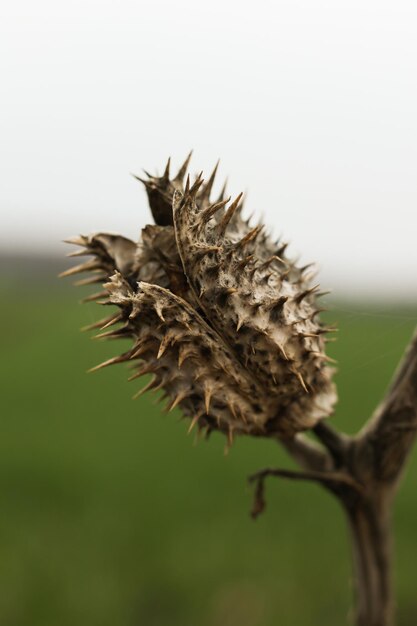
column 311, row 106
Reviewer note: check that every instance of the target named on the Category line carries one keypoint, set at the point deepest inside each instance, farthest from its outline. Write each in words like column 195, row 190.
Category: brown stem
column 370, row 527
column 363, row 472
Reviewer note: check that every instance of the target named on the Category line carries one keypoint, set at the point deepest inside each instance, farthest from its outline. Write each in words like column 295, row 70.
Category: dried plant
column 229, row 328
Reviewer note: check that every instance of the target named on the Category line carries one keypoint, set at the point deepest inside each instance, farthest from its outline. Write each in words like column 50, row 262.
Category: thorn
column 304, row 294
column 327, row 329
column 207, row 397
column 166, row 173
column 113, row 334
column 117, row 359
column 322, row 355
column 230, row 436
column 78, row 269
column 271, row 259
column 222, row 192
column 112, row 320
column 90, row 281
column 181, row 172
column 187, row 185
column 152, row 384
column 180, row 396
column 243, row 263
column 146, row 369
column 94, row 296
column 196, row 185
column 239, row 324
column 102, row 324
column 205, row 192
column 301, row 379
column 142, row 346
column 306, row 267
column 278, row 304
column 201, row 251
column 229, row 214
column 193, row 423
column 212, row 209
column 252, row 234
column 141, row 180
column 166, row 341
column 80, row 240
column 284, row 354
column 158, row 309
column 184, row 353
column 281, row 250
column 84, row 252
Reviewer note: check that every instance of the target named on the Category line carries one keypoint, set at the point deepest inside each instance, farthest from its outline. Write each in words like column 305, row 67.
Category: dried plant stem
column 363, row 472
column 370, row 525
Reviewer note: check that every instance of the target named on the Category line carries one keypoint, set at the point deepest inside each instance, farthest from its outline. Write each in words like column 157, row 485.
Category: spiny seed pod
column 225, row 322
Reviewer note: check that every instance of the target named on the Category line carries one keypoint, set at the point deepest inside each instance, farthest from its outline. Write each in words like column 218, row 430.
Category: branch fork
column 363, row 472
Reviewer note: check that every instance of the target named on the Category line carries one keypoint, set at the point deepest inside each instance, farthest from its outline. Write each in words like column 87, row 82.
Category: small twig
column 308, row 454
column 386, row 440
column 335, row 442
column 327, row 479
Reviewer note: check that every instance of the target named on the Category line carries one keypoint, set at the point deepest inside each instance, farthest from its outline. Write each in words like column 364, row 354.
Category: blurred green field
column 111, row 516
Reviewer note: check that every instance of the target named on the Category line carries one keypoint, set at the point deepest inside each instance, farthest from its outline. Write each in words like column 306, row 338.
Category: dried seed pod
column 224, row 320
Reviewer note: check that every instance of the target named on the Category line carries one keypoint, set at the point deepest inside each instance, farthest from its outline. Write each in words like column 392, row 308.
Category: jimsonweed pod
column 227, row 325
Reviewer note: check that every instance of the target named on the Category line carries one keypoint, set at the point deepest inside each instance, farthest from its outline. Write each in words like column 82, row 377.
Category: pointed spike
column 222, row 193
column 85, row 252
column 271, row 259
column 113, row 361
column 281, row 250
column 141, row 180
column 304, row 294
column 252, row 234
column 193, row 423
column 79, row 240
column 166, row 172
column 78, row 269
column 166, row 340
column 243, row 262
column 207, row 397
column 95, row 296
column 180, row 396
column 143, row 346
column 99, row 324
column 196, row 185
column 112, row 320
column 230, row 436
column 158, row 306
column 152, row 384
column 212, row 209
column 92, row 280
column 229, row 214
column 301, row 379
column 146, row 369
column 205, row 192
column 181, row 172
column 201, row 251
column 185, row 352
column 239, row 324
column 322, row 355
column 120, row 333
column 187, row 185
column 282, row 350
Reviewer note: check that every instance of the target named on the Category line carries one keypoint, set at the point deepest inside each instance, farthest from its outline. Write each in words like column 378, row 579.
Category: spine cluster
column 227, row 325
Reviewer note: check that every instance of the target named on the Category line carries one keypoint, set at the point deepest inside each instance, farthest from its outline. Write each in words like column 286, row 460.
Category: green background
column 110, row 515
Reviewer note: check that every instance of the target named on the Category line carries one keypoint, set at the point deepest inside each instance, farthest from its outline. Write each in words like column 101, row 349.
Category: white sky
column 311, row 105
